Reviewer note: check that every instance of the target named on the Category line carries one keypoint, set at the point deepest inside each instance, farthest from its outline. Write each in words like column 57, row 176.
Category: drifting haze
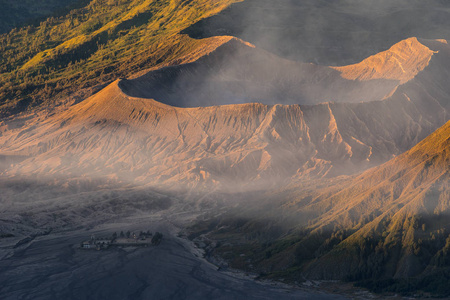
column 328, row 32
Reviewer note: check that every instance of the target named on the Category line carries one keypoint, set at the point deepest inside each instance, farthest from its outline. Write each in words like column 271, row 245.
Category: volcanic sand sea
column 53, row 267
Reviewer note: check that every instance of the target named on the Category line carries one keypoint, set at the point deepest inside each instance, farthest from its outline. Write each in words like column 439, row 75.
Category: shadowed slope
column 17, row 13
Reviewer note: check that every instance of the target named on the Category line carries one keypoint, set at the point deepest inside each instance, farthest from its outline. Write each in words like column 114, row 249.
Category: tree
column 122, row 235
column 157, row 238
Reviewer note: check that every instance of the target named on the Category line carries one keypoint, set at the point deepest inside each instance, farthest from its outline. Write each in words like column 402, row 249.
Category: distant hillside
column 17, row 13
column 338, row 32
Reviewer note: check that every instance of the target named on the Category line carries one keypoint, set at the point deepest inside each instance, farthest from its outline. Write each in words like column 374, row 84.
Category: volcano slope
column 126, row 132
column 387, row 228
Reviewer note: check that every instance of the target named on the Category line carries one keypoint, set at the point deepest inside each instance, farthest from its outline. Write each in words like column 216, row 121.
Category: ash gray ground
column 51, row 267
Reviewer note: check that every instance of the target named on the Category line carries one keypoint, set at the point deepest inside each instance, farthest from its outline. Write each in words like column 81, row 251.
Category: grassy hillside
column 93, row 45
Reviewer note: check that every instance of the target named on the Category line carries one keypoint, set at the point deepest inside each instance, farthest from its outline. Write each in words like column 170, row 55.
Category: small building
column 87, row 245
column 94, row 243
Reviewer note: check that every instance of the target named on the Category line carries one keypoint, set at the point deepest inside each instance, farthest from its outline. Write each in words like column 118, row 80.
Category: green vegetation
column 94, row 45
column 157, row 238
column 416, row 249
column 436, row 284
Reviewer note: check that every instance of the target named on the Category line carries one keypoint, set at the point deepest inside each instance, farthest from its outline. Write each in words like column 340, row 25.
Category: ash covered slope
column 116, row 135
column 388, row 226
column 415, row 182
column 398, row 214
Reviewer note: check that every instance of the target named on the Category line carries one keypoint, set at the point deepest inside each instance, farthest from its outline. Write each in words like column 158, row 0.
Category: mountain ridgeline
column 130, row 130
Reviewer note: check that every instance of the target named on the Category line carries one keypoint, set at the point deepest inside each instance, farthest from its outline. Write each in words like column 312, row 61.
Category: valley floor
column 53, row 267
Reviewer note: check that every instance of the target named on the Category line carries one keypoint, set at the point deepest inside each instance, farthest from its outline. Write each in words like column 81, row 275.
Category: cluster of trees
column 156, row 238
column 130, row 234
column 436, row 283
column 372, row 259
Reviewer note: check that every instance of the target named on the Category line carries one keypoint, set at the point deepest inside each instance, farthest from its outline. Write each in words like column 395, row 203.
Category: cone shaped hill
column 130, row 130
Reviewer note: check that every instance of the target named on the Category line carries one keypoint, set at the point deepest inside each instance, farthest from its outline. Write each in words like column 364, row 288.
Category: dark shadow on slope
column 21, row 13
